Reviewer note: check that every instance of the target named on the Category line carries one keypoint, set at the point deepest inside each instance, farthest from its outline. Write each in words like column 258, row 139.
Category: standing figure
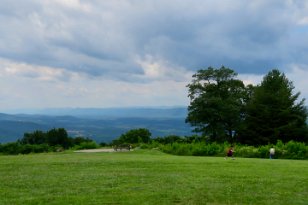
column 272, row 152
column 230, row 152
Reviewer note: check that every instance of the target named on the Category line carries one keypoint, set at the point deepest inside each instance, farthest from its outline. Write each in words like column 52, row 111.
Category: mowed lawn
column 149, row 177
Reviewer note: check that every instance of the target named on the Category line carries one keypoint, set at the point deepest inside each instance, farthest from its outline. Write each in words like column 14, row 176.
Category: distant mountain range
column 140, row 112
column 101, row 125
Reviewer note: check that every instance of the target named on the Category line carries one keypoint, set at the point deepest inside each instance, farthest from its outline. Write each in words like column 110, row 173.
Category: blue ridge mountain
column 101, row 125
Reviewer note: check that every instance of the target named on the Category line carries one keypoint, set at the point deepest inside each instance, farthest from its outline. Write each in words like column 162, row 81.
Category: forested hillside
column 102, row 125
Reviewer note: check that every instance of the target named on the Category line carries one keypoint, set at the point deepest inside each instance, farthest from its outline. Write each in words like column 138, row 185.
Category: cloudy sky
column 122, row 53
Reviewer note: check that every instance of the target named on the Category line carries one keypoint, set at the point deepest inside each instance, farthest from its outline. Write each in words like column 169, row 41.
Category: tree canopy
column 53, row 137
column 134, row 136
column 216, row 103
column 224, row 109
column 274, row 112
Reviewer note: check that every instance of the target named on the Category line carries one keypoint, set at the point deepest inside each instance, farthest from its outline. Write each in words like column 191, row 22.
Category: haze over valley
column 101, row 125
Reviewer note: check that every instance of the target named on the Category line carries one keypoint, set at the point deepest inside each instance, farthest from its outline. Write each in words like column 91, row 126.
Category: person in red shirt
column 230, row 152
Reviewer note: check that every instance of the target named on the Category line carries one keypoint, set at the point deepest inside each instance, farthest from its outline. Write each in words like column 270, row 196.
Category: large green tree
column 217, row 102
column 274, row 112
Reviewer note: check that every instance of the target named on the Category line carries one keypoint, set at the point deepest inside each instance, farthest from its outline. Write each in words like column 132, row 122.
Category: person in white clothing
column 272, row 152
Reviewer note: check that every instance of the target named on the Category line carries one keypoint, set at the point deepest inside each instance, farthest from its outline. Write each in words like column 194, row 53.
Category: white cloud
column 295, row 73
column 160, row 69
column 30, row 86
column 187, row 35
column 252, row 79
column 303, row 21
column 41, row 73
column 71, row 4
column 298, row 75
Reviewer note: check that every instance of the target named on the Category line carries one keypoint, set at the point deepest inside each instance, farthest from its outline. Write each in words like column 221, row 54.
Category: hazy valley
column 102, row 125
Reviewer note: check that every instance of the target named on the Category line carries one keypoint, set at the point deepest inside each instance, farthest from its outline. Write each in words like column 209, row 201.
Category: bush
column 134, row 136
column 247, row 151
column 17, row 148
column 40, row 148
column 263, row 151
column 203, row 149
column 296, row 150
column 152, row 145
column 290, row 150
column 199, row 150
column 182, row 149
column 194, row 149
column 177, row 149
column 86, row 145
column 11, row 148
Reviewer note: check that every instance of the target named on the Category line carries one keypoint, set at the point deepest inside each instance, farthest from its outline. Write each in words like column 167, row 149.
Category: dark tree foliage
column 58, row 137
column 53, row 137
column 37, row 137
column 274, row 113
column 40, row 141
column 217, row 102
column 79, row 140
column 174, row 138
column 134, row 136
column 168, row 139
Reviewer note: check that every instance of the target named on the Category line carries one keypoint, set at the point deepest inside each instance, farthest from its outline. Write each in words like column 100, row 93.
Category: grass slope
column 149, row 177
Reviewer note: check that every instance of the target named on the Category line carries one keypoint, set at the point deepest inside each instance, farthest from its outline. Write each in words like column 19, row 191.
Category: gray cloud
column 134, row 53
column 106, row 37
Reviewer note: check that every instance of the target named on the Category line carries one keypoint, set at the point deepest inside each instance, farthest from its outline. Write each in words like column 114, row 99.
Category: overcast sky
column 123, row 53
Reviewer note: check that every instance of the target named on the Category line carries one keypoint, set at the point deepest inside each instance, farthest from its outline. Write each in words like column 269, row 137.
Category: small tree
column 135, row 136
column 37, row 137
column 58, row 137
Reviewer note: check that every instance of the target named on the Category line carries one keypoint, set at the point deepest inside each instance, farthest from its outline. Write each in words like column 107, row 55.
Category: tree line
column 56, row 139
column 222, row 108
column 199, row 145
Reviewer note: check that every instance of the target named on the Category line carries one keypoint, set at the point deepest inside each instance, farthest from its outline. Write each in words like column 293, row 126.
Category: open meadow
column 149, row 177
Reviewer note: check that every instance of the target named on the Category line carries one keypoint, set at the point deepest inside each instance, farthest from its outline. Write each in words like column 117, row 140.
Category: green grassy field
column 149, row 177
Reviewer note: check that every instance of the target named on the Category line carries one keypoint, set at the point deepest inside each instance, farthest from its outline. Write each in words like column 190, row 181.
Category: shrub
column 296, row 150
column 17, row 148
column 151, row 145
column 290, row 150
column 40, row 148
column 213, row 149
column 199, row 149
column 263, row 151
column 182, row 149
column 11, row 148
column 194, row 149
column 86, row 145
column 247, row 151
column 177, row 149
column 134, row 136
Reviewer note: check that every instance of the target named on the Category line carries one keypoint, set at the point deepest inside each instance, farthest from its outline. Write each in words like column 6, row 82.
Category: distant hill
column 102, row 125
column 140, row 112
